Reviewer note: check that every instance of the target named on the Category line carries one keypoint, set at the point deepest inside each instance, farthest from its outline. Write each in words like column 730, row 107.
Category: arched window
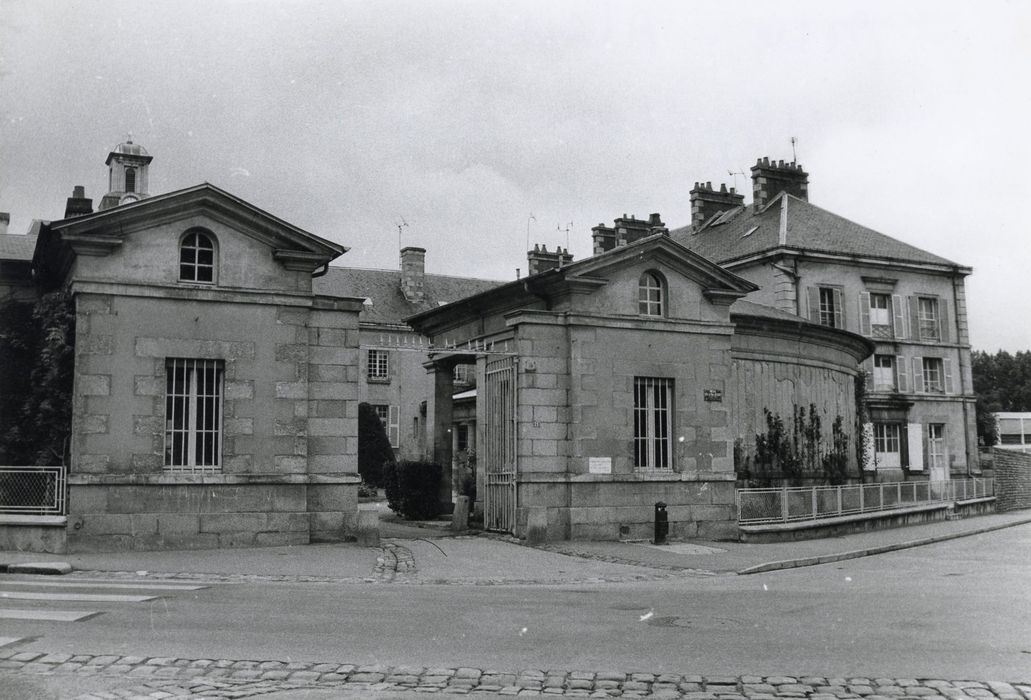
column 130, row 179
column 650, row 293
column 197, row 258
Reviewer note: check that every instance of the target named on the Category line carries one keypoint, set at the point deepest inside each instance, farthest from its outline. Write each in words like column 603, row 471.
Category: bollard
column 460, row 515
column 661, row 523
column 368, row 528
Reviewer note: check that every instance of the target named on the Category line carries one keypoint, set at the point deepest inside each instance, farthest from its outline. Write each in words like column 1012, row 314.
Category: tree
column 373, row 446
column 1002, row 382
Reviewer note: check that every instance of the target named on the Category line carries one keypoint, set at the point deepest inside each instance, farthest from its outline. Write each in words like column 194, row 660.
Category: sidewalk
column 430, row 554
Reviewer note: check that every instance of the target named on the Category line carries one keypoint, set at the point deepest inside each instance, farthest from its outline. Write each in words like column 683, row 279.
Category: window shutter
column 864, row 313
column 814, row 304
column 393, row 427
column 390, row 363
column 901, row 380
column 915, row 441
column 943, row 321
column 903, row 445
column 899, row 316
column 947, row 371
column 914, row 317
column 918, row 375
column 839, row 309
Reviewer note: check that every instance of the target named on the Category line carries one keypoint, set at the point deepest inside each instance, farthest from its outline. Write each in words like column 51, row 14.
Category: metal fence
column 33, row 490
column 796, row 503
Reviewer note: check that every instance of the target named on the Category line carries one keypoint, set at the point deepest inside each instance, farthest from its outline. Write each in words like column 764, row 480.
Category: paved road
column 956, row 610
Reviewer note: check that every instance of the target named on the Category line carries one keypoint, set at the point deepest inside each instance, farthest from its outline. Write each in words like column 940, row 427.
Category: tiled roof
column 383, row 287
column 17, row 247
column 805, row 226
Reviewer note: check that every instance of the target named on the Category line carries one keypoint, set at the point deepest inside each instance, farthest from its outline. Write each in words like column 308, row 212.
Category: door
column 937, row 457
column 499, row 502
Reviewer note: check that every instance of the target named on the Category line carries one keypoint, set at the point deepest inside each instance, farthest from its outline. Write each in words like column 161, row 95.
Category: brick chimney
column 707, row 202
column 540, row 259
column 78, row 204
column 770, row 178
column 5, row 220
column 413, row 273
column 625, row 231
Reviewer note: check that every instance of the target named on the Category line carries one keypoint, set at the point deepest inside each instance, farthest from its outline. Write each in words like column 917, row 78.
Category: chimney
column 770, row 178
column 627, row 229
column 413, row 272
column 539, row 259
column 5, row 220
column 707, row 202
column 78, row 204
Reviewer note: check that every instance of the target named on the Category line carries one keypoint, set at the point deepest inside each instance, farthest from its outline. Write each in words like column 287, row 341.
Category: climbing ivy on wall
column 795, row 451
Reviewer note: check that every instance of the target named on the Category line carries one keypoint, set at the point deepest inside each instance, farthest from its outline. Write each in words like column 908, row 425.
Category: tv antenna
column 734, row 175
column 567, row 229
column 402, row 224
column 794, row 158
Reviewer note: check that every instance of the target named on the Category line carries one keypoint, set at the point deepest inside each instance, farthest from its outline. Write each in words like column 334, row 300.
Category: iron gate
column 499, row 503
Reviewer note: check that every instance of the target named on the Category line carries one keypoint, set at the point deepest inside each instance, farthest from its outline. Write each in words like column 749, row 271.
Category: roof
column 130, row 149
column 750, row 308
column 790, row 222
column 383, row 287
column 15, row 246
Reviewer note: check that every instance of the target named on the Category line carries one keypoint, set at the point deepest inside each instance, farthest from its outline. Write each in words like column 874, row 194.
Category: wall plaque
column 599, row 465
column 713, row 395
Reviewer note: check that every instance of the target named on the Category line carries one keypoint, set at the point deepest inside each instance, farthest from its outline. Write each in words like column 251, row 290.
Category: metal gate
column 499, row 503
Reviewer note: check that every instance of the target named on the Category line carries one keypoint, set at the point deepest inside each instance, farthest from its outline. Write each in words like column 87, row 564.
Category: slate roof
column 17, row 247
column 383, row 287
column 741, row 233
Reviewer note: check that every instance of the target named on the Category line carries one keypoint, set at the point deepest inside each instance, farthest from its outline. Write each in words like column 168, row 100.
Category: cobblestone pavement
column 143, row 678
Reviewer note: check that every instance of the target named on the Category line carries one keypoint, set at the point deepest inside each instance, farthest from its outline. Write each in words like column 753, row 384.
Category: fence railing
column 33, row 491
column 797, row 503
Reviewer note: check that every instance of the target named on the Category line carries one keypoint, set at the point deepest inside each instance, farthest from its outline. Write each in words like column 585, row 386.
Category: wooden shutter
column 914, row 317
column 915, row 441
column 918, row 375
column 899, row 316
column 393, row 427
column 944, row 329
column 814, row 304
column 864, row 313
column 947, row 375
column 839, row 308
column 901, row 380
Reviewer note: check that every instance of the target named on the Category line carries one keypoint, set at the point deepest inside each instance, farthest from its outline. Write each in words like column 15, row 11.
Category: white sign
column 599, row 465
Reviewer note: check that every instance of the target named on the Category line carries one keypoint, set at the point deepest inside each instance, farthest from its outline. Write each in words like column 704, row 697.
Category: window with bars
column 379, row 365
column 193, row 414
column 649, row 295
column 197, row 258
column 653, row 423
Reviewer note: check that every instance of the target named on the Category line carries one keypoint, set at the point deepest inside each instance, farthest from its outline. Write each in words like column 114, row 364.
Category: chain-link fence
column 32, row 490
column 789, row 504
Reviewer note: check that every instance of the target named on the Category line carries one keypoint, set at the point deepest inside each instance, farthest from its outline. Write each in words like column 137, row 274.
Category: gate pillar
column 438, row 418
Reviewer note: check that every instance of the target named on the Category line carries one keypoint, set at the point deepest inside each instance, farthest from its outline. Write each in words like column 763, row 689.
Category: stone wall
column 1012, row 479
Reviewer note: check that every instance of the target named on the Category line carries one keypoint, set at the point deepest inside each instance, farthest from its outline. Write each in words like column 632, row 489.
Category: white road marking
column 49, row 615
column 77, row 597
column 81, row 584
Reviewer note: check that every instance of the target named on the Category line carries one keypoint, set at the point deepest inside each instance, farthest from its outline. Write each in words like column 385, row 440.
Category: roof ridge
column 427, row 274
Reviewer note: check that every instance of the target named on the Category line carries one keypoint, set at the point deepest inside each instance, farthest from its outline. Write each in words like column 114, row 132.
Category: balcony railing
column 33, row 491
column 800, row 503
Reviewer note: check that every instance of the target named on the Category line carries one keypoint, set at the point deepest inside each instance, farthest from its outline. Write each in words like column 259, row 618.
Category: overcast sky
column 464, row 118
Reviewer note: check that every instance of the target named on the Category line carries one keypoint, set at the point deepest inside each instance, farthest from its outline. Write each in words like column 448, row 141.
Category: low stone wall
column 1012, row 479
column 33, row 533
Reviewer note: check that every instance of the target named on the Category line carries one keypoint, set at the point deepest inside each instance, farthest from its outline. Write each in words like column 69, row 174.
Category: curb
column 46, row 568
column 869, row 551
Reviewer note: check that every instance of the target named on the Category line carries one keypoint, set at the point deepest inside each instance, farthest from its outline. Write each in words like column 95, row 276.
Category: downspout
column 964, row 372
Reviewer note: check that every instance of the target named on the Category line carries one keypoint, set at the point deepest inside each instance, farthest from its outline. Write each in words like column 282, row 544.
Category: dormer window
column 197, row 258
column 130, row 179
column 650, row 293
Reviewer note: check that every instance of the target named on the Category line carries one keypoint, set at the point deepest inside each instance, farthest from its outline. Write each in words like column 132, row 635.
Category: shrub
column 413, row 489
column 374, row 449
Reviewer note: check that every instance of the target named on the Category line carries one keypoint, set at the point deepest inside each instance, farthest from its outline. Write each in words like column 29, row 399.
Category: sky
column 472, row 127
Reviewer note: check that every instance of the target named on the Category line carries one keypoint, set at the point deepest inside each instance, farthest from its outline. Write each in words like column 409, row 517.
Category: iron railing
column 33, row 491
column 798, row 503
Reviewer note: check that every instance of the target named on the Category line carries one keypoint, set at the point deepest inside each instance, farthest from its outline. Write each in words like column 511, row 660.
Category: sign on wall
column 599, row 465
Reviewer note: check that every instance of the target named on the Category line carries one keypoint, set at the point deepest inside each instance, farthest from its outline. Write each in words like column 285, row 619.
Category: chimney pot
column 413, row 273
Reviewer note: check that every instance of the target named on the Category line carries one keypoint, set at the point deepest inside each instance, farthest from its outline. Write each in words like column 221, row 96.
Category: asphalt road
column 955, row 610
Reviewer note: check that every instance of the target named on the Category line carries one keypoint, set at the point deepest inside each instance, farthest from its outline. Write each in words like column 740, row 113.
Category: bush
column 413, row 489
column 374, row 449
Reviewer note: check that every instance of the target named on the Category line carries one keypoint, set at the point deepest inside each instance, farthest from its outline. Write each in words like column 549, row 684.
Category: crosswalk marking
column 83, row 584
column 48, row 615
column 77, row 597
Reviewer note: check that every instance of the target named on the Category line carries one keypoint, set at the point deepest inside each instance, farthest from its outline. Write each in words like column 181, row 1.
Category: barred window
column 379, row 366
column 193, row 414
column 197, row 258
column 653, row 417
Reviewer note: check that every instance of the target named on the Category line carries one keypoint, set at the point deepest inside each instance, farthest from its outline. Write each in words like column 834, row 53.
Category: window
column 883, row 373
column 936, row 455
column 653, row 414
column 933, row 375
column 880, row 315
column 462, row 437
column 465, row 374
column 388, row 416
column 825, row 307
column 193, row 414
column 887, row 444
column 649, row 295
column 379, row 366
column 927, row 316
column 130, row 179
column 197, row 258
